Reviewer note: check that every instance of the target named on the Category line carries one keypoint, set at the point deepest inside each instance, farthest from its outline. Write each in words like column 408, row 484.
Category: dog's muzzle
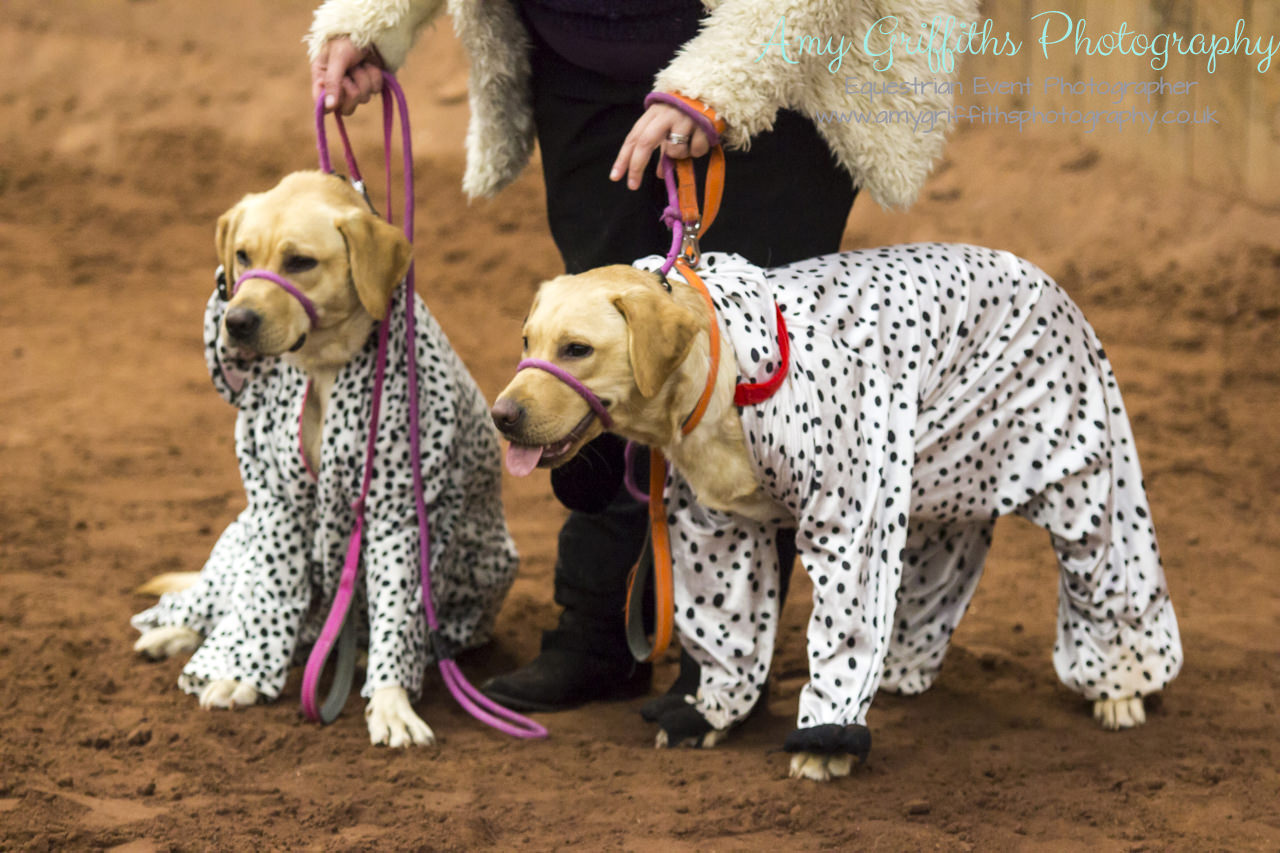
column 522, row 459
column 286, row 285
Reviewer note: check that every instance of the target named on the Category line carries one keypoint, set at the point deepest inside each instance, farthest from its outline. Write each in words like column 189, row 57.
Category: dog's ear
column 379, row 255
column 224, row 239
column 659, row 335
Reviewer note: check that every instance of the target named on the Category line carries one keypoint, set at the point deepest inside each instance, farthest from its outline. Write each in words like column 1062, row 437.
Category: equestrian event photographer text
column 943, row 39
column 1165, row 110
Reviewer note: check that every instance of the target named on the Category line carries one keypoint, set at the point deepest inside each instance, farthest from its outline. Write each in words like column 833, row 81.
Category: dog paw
column 1116, row 714
column 392, row 720
column 684, row 726
column 166, row 641
column 820, row 768
column 826, row 752
column 228, row 693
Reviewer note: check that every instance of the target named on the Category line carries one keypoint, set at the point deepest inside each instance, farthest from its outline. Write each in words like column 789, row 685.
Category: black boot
column 586, row 657
column 563, row 677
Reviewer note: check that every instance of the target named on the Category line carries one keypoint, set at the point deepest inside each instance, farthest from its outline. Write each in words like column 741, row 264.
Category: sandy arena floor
column 127, row 127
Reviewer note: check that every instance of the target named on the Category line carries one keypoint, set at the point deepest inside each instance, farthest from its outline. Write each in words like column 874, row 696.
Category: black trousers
column 784, row 200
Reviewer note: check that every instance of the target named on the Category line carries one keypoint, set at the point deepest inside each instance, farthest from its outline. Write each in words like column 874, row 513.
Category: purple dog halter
column 288, row 286
column 572, row 381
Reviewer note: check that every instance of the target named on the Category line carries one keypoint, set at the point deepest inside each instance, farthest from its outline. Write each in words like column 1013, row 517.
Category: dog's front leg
column 166, row 641
column 726, row 595
column 684, row 726
column 398, row 644
column 392, row 720
column 822, row 753
column 229, row 694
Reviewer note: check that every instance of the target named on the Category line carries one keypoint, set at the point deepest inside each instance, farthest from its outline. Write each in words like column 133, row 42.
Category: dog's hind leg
column 193, row 601
column 941, row 565
column 1118, row 639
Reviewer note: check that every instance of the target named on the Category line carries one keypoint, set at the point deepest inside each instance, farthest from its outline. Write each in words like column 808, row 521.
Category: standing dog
column 931, row 389
column 304, row 391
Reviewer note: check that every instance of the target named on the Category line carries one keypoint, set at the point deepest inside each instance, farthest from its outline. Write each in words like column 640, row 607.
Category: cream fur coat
column 719, row 66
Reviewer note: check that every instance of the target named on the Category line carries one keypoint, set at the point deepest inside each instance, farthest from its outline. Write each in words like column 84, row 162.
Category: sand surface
column 127, row 127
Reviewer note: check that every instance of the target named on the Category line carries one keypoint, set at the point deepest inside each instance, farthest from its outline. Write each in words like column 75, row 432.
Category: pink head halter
column 288, row 286
column 572, row 381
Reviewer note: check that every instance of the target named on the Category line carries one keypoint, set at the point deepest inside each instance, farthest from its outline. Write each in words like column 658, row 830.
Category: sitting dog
column 931, row 388
column 304, row 392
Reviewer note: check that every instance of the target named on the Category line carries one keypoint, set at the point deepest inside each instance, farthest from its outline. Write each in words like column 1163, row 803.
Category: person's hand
column 347, row 75
column 652, row 132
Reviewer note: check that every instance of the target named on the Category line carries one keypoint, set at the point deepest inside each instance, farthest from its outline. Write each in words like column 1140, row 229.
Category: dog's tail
column 168, row 582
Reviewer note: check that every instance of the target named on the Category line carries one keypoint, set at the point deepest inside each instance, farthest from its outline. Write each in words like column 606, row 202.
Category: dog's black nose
column 242, row 324
column 507, row 415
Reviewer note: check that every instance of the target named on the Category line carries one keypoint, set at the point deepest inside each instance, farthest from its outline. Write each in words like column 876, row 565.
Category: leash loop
column 682, row 215
column 659, row 543
column 628, row 478
column 337, row 628
column 322, row 143
column 687, row 225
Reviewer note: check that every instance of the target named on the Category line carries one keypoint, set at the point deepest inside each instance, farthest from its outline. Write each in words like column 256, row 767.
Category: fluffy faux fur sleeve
column 500, row 133
column 391, row 26
column 728, row 67
column 723, row 66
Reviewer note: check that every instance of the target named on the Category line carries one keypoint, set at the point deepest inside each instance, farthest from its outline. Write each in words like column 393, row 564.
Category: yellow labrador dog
column 926, row 390
column 298, row 359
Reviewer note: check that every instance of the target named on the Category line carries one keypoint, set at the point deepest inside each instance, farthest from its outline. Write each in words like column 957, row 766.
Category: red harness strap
column 752, row 393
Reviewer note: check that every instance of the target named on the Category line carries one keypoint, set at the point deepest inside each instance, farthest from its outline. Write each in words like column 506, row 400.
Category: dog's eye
column 576, row 351
column 242, row 259
column 299, row 263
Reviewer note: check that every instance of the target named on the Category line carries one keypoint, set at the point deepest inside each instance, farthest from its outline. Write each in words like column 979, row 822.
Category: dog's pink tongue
column 522, row 459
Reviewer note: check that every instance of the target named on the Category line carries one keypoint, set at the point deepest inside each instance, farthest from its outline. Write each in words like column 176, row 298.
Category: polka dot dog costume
column 269, row 582
column 933, row 388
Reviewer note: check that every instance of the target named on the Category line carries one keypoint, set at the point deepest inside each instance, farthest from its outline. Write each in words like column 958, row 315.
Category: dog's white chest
column 313, row 412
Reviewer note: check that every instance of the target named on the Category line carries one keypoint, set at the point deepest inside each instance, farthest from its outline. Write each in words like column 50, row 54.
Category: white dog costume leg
column 726, row 602
column 941, row 565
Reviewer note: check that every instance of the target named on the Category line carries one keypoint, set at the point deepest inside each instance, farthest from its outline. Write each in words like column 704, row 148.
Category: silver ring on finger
column 677, row 138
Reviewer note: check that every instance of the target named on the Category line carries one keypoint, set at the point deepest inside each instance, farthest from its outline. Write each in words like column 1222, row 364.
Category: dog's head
column 316, row 231
column 620, row 332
